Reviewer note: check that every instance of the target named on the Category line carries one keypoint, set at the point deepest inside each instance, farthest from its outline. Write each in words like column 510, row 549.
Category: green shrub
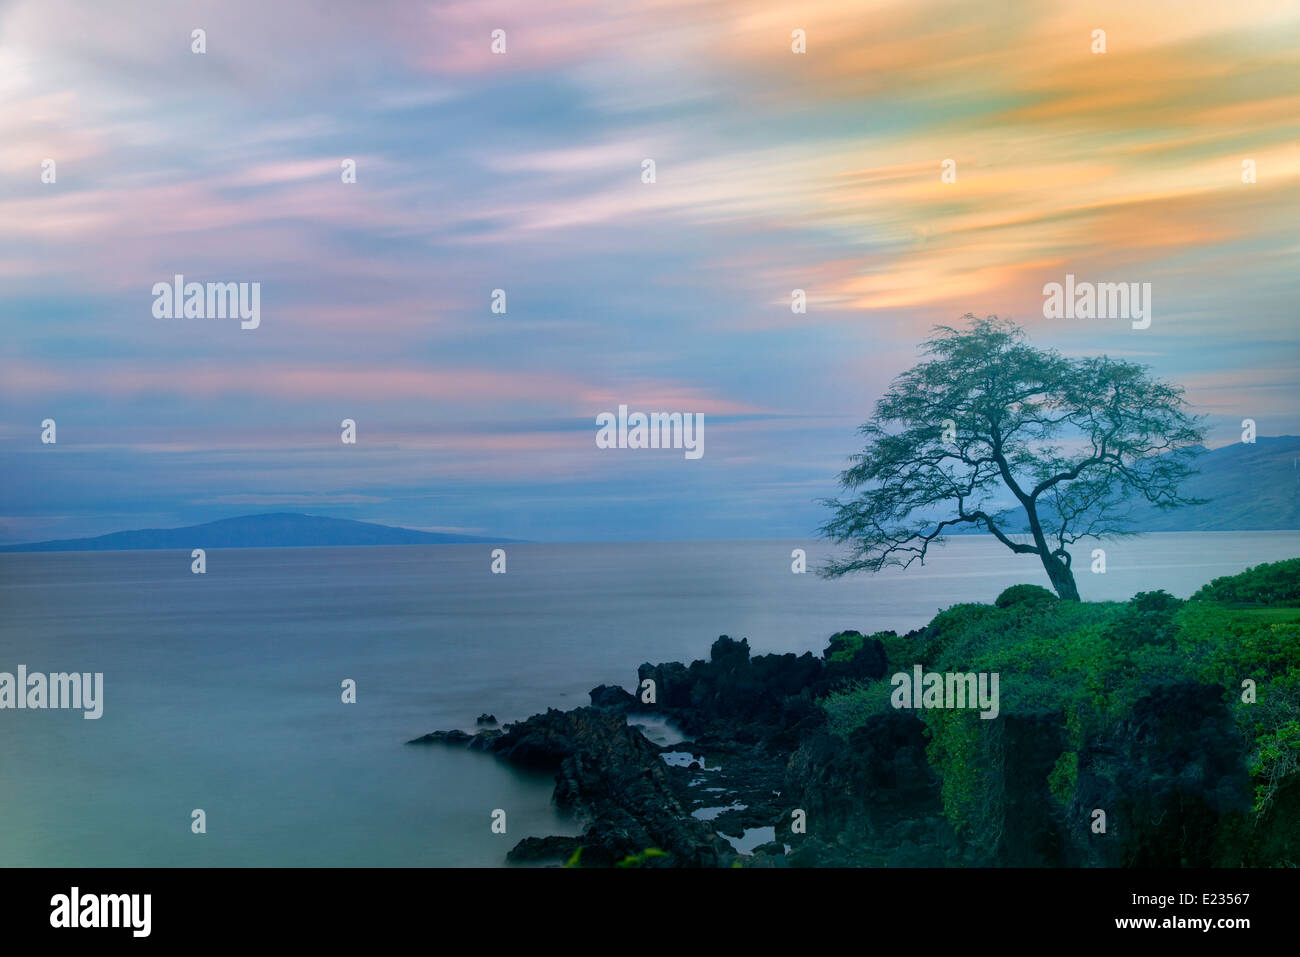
column 1232, row 644
column 1269, row 584
column 956, row 620
column 954, row 751
column 1276, row 760
column 1024, row 594
column 1148, row 619
column 637, row 860
column 1064, row 776
column 843, row 646
column 901, row 651
column 848, row 708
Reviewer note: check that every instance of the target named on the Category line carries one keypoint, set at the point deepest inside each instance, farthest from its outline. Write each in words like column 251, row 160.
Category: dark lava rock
column 611, row 775
column 910, row 854
column 1024, row 818
column 533, row 850
column 443, row 737
column 771, row 854
column 865, row 794
column 486, row 719
column 1171, row 779
column 543, row 741
column 864, row 785
column 475, row 742
column 611, row 696
column 813, row 852
column 737, row 697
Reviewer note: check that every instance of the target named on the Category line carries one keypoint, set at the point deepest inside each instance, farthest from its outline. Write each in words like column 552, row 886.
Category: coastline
column 1168, row 763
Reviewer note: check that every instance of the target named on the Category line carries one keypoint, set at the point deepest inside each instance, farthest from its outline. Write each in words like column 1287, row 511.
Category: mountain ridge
column 1250, row 487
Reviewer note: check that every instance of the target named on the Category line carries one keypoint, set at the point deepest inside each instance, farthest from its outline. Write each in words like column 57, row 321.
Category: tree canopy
column 1038, row 449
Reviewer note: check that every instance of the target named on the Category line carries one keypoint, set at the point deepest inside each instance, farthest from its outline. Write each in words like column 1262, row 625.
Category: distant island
column 273, row 530
column 1248, row 486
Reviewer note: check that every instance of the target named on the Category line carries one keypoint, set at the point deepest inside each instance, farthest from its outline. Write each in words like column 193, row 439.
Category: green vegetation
column 632, row 860
column 1064, row 776
column 850, row 707
column 1024, row 594
column 844, row 646
column 637, row 860
column 1272, row 584
column 1079, row 669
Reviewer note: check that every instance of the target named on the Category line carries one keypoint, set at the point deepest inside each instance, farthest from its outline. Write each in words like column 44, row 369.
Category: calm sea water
column 222, row 691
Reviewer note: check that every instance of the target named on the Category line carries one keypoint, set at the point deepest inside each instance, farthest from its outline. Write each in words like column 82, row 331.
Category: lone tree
column 991, row 433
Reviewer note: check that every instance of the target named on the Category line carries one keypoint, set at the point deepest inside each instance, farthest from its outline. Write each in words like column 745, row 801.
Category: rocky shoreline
column 758, row 754
column 750, row 760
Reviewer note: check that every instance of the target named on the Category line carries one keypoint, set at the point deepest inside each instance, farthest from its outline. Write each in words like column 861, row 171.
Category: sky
column 524, row 171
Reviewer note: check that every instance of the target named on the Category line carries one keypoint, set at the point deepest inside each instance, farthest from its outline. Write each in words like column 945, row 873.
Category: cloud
column 775, row 171
column 252, row 498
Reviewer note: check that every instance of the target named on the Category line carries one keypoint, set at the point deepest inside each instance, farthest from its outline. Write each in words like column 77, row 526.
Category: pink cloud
column 336, row 383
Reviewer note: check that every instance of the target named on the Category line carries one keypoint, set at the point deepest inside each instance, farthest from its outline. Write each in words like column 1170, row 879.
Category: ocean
column 222, row 691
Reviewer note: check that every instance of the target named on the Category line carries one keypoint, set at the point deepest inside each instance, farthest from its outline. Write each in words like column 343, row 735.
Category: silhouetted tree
column 991, row 433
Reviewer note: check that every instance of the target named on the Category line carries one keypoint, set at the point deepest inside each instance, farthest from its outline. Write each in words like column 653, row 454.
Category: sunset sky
column 523, row 171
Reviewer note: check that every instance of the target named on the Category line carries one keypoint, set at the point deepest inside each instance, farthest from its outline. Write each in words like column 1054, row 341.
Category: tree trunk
column 1061, row 576
column 1058, row 571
